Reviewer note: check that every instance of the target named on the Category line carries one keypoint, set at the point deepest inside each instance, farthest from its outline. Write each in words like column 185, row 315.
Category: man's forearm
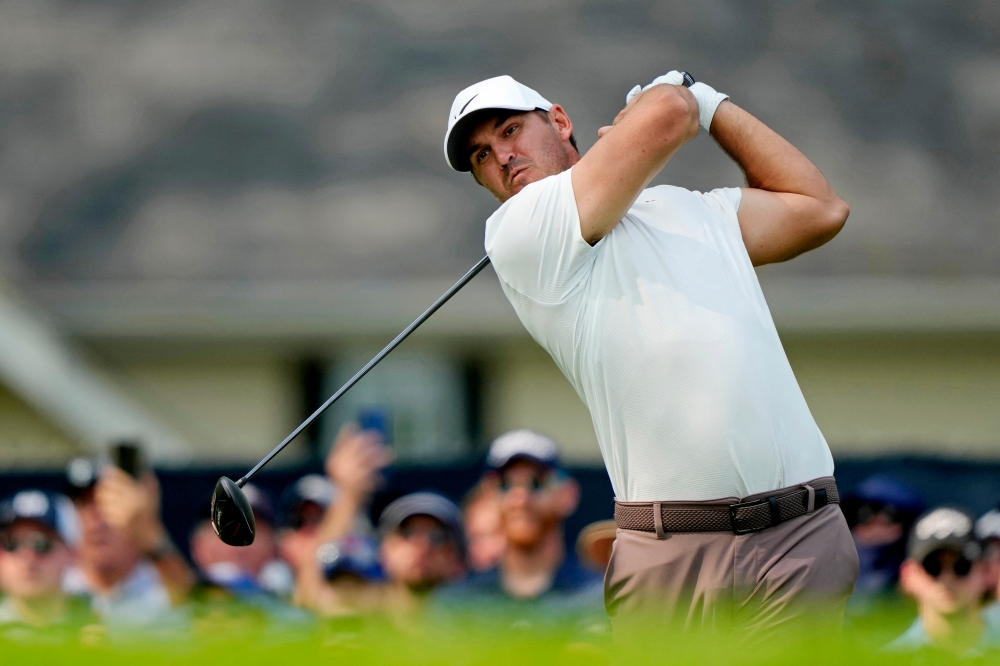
column 789, row 207
column 769, row 161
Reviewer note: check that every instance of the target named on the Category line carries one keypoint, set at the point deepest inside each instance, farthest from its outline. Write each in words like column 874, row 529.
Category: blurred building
column 212, row 213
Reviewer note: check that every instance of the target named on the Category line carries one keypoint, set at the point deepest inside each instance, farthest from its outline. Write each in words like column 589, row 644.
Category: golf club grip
column 473, row 272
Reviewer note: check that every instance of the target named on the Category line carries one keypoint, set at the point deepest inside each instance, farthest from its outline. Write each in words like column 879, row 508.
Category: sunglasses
column 40, row 544
column 533, row 484
column 960, row 567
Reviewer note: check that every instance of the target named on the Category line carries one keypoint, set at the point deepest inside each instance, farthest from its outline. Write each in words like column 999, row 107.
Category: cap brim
column 921, row 550
column 527, row 457
column 457, row 138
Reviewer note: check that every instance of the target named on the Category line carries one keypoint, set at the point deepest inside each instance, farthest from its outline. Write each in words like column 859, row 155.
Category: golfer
column 647, row 300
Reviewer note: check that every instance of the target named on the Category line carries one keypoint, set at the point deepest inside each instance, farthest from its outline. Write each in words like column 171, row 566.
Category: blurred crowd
column 96, row 562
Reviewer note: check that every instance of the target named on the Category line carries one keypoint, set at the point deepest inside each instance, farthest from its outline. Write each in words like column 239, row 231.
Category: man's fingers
column 604, row 130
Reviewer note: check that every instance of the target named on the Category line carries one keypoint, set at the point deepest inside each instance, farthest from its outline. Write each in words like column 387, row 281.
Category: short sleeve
column 535, row 243
column 727, row 201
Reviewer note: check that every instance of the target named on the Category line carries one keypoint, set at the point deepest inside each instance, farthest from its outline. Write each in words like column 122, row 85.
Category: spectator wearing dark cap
column 248, row 571
column 354, row 469
column 535, row 570
column 38, row 532
column 880, row 512
column 126, row 563
column 946, row 576
column 423, row 547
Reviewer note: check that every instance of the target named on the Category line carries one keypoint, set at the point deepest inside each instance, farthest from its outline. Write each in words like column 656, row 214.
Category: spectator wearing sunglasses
column 945, row 574
column 38, row 531
column 536, row 578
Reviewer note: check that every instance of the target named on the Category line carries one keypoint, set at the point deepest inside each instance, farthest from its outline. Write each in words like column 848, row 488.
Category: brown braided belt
column 744, row 517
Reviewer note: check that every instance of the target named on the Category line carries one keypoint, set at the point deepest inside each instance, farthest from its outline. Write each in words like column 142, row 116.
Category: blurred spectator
column 250, row 570
column 594, row 544
column 38, row 531
column 352, row 574
column 988, row 533
column 354, row 467
column 485, row 536
column 535, row 570
column 880, row 512
column 423, row 547
column 126, row 562
column 946, row 576
column 304, row 503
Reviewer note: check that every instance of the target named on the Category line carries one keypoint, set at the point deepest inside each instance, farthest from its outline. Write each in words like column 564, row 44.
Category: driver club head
column 232, row 516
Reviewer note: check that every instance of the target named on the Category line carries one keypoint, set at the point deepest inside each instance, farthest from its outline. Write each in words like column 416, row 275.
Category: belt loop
column 811, row 505
column 658, row 521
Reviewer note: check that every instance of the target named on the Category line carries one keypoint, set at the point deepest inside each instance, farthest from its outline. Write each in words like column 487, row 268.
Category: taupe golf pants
column 802, row 569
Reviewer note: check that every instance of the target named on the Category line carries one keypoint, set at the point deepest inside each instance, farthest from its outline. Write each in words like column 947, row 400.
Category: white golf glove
column 707, row 97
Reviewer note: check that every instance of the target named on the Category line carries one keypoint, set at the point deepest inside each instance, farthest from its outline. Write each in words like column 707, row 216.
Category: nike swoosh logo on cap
column 467, row 105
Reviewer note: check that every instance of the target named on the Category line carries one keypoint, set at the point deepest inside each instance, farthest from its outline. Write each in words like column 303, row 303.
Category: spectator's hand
column 356, row 460
column 132, row 506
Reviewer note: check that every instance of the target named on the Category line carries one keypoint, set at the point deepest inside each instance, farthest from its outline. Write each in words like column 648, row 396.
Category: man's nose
column 505, row 156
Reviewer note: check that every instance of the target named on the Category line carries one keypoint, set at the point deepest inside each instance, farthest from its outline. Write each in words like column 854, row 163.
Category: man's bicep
column 776, row 225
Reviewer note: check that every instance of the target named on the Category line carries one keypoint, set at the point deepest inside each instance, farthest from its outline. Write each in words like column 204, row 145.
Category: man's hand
column 356, row 461
column 132, row 506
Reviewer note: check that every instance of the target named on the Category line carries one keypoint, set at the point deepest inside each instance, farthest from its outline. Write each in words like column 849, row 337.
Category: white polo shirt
column 662, row 329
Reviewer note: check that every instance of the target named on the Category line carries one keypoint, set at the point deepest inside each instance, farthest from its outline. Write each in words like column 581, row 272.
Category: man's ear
column 561, row 121
column 567, row 497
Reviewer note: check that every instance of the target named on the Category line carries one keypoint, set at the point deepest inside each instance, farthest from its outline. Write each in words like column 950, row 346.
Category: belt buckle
column 733, row 508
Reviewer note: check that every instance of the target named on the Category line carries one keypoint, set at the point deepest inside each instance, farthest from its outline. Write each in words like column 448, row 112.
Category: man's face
column 509, row 152
column 32, row 560
column 945, row 582
column 102, row 546
column 421, row 553
column 530, row 506
column 484, row 532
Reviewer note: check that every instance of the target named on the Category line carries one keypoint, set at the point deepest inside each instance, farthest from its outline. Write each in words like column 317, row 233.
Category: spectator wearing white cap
column 945, row 574
column 988, row 533
column 38, row 532
column 535, row 571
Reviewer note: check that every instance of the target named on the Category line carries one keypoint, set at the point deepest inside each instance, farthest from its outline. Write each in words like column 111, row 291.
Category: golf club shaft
column 480, row 265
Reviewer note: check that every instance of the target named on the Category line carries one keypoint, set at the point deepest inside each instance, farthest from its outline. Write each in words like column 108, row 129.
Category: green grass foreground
column 239, row 638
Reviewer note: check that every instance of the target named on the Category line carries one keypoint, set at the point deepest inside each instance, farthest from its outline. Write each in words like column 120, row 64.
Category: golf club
column 232, row 516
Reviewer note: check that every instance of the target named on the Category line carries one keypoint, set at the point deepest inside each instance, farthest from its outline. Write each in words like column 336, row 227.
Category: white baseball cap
column 523, row 443
column 501, row 92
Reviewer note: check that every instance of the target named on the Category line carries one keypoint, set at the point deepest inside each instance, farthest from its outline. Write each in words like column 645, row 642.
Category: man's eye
column 481, row 156
column 510, row 130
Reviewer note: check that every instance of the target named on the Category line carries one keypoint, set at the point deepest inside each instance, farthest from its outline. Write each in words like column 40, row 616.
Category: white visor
column 501, row 92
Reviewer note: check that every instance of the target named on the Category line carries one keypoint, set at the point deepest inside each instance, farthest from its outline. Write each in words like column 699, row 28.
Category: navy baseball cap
column 436, row 506
column 52, row 510
column 523, row 444
column 354, row 554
